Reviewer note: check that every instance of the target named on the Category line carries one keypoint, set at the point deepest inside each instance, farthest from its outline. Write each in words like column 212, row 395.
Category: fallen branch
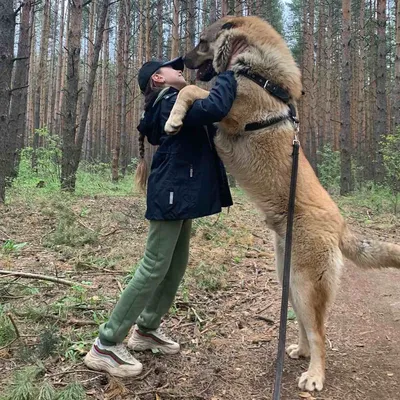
column 140, row 377
column 74, row 371
column 41, row 277
column 121, row 289
column 15, row 329
column 197, row 315
column 70, row 321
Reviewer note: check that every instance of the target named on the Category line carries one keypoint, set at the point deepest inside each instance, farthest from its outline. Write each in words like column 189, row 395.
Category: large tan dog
column 261, row 162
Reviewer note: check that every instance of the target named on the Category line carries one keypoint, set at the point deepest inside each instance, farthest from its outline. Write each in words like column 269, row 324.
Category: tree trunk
column 124, row 135
column 120, row 84
column 213, row 11
column 160, row 29
column 104, row 94
column 60, row 63
column 70, row 98
column 190, row 36
column 224, row 8
column 90, row 85
column 41, row 77
column 7, row 30
column 19, row 97
column 396, row 108
column 381, row 100
column 53, row 81
column 175, row 29
column 345, row 136
column 329, row 137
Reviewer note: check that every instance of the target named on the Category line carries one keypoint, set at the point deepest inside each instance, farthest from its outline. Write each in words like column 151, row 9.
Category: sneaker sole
column 97, row 364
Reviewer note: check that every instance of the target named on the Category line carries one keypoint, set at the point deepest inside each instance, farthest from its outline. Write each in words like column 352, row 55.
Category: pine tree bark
column 90, row 84
column 70, row 98
column 381, row 100
column 160, row 40
column 396, row 108
column 346, row 180
column 124, row 134
column 19, row 97
column 104, row 94
column 224, row 8
column 7, row 30
column 40, row 82
column 53, row 73
column 175, row 29
column 60, row 64
column 120, row 84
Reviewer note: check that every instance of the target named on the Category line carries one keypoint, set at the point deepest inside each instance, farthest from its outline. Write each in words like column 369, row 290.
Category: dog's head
column 266, row 54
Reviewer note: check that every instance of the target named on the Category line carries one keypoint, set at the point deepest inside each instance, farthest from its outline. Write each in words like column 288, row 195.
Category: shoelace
column 121, row 350
column 162, row 335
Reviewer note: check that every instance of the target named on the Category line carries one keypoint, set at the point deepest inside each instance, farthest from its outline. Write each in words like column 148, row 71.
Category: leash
column 283, row 95
column 286, row 271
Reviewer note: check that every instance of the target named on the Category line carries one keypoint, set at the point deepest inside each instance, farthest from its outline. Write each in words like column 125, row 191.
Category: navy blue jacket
column 187, row 178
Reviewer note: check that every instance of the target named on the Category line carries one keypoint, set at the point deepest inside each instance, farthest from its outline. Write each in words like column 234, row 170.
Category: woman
column 187, row 181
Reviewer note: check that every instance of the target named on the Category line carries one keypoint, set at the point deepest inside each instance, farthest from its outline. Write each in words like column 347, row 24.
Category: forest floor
column 225, row 316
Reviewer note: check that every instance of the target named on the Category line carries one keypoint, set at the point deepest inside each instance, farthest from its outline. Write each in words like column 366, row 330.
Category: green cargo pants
column 152, row 290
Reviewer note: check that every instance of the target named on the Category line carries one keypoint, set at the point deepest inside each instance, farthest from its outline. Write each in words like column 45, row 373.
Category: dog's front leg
column 186, row 98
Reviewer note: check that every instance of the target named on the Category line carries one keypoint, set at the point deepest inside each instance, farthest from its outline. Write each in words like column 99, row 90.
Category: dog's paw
column 295, row 351
column 173, row 125
column 311, row 381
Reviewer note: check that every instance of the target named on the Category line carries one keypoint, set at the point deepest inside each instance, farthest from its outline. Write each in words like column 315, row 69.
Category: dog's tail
column 369, row 253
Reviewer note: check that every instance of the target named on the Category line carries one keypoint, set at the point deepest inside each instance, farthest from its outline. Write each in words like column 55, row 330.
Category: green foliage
column 329, row 168
column 69, row 230
column 390, row 148
column 7, row 333
column 372, row 197
column 27, row 384
column 291, row 315
column 9, row 246
column 92, row 178
column 24, row 385
column 73, row 391
column 48, row 343
column 208, row 277
column 47, row 391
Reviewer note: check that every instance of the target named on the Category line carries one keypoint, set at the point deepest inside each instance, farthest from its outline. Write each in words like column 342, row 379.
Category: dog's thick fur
column 261, row 162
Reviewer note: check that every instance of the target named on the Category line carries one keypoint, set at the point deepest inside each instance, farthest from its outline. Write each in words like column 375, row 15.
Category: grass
column 207, row 277
column 28, row 384
column 91, row 181
column 7, row 332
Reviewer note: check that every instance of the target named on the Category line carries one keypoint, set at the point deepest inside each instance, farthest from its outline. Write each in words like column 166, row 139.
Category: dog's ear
column 228, row 25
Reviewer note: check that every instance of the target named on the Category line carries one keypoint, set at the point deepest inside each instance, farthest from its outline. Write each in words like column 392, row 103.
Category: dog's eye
column 203, row 46
column 228, row 25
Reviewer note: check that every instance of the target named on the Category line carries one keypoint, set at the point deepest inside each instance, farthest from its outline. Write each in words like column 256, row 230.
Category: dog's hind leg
column 312, row 286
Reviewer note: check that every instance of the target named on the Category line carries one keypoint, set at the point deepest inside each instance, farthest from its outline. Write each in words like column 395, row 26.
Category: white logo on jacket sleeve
column 171, row 197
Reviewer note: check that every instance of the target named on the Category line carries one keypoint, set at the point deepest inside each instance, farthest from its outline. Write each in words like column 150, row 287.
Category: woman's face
column 167, row 76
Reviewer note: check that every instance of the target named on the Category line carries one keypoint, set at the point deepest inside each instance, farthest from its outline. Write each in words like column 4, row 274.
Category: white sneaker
column 116, row 360
column 140, row 341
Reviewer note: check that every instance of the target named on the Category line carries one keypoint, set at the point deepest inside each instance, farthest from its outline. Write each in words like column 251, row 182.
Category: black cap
column 149, row 68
